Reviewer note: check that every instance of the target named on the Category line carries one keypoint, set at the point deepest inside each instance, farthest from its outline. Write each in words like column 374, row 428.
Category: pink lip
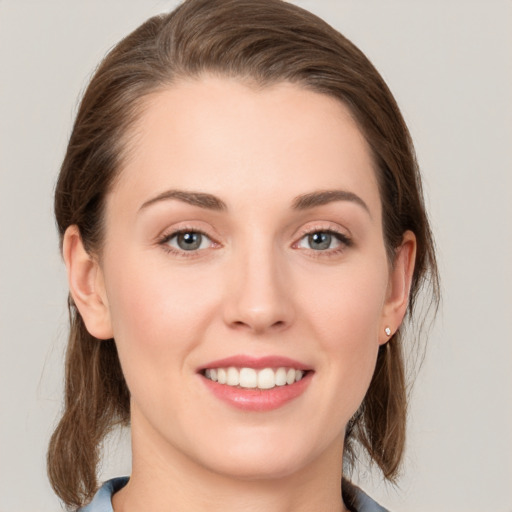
column 257, row 399
column 243, row 361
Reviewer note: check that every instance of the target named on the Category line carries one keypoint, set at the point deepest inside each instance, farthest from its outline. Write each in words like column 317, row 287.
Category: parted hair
column 262, row 42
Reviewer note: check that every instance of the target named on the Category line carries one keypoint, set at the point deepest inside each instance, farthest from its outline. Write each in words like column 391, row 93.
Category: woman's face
column 243, row 242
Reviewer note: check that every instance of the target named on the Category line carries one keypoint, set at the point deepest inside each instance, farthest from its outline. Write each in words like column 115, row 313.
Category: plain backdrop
column 449, row 64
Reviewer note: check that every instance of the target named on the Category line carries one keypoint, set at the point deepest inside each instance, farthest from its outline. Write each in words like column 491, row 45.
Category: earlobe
column 399, row 286
column 86, row 285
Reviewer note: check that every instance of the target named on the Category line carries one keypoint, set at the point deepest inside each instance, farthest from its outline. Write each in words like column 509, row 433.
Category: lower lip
column 258, row 399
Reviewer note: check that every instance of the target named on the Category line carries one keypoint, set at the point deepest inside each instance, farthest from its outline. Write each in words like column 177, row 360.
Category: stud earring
column 387, row 330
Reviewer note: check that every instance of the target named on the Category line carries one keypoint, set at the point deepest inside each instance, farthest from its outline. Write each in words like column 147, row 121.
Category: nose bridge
column 258, row 295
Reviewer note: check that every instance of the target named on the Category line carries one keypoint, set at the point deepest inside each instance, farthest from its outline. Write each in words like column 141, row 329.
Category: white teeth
column 248, row 378
column 266, row 378
column 222, row 376
column 290, row 376
column 233, row 377
column 281, row 377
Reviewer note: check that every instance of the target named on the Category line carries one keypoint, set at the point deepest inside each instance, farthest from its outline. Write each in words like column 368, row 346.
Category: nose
column 259, row 293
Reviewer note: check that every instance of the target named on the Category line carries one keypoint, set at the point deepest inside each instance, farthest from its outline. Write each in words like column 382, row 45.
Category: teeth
column 266, row 378
column 281, row 377
column 233, row 377
column 222, row 376
column 248, row 378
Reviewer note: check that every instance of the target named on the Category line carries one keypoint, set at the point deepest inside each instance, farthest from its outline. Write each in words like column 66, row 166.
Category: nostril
column 257, row 313
column 258, row 326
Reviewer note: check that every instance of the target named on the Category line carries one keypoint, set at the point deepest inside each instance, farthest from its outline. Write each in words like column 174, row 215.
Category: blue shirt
column 357, row 500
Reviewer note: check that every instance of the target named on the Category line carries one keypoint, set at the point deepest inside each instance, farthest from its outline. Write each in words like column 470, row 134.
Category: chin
column 258, row 468
column 268, row 457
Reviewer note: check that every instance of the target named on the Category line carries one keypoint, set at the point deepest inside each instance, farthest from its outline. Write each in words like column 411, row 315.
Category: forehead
column 236, row 140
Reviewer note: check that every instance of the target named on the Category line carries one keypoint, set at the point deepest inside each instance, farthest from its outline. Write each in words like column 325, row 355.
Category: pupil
column 320, row 241
column 189, row 241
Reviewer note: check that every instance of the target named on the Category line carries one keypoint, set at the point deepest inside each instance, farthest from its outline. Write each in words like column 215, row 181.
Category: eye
column 323, row 240
column 188, row 241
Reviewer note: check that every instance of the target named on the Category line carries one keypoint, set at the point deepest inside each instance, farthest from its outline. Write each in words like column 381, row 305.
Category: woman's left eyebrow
column 201, row 199
column 322, row 197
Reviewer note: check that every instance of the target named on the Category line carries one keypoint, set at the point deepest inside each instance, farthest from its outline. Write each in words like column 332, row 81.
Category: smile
column 250, row 378
column 256, row 383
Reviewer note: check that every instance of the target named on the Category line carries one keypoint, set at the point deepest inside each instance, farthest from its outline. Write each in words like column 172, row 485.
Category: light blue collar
column 102, row 501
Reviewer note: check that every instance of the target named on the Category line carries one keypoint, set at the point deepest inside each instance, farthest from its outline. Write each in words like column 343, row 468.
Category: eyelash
column 344, row 240
column 164, row 240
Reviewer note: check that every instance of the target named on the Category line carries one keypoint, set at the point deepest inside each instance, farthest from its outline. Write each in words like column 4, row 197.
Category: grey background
column 449, row 64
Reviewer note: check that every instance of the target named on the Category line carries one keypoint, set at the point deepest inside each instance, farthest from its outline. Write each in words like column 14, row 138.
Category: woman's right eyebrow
column 201, row 199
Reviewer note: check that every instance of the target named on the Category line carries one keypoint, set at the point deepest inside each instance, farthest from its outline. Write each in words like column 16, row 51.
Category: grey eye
column 320, row 241
column 189, row 241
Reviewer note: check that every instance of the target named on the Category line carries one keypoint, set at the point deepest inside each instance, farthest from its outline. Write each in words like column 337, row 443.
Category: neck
column 165, row 480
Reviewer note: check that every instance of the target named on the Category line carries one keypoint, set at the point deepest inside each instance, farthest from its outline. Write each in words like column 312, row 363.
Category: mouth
column 256, row 383
column 252, row 378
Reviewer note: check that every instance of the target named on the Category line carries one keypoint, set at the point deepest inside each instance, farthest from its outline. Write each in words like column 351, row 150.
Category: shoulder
column 358, row 501
column 102, row 501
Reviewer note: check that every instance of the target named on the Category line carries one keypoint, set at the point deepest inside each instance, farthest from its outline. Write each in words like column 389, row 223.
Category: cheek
column 158, row 314
column 158, row 319
column 347, row 303
column 345, row 315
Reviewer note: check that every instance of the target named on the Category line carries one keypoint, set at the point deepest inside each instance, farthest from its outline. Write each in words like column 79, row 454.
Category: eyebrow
column 322, row 197
column 208, row 201
column 302, row 202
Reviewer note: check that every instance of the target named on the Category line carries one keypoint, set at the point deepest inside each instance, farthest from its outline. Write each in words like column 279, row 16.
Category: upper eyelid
column 173, row 232
column 309, row 228
column 324, row 227
column 169, row 232
column 341, row 237
column 309, row 231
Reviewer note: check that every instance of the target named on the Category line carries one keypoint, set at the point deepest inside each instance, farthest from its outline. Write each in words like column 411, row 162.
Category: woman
column 243, row 227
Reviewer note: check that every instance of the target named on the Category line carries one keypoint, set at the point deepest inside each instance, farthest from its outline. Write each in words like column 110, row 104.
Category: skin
column 255, row 287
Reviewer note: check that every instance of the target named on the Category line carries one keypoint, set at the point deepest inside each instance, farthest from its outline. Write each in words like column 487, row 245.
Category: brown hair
column 263, row 41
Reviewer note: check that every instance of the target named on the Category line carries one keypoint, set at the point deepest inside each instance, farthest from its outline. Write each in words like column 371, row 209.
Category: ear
column 86, row 285
column 399, row 286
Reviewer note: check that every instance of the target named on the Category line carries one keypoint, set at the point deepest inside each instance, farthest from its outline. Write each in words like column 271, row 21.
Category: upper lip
column 258, row 363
